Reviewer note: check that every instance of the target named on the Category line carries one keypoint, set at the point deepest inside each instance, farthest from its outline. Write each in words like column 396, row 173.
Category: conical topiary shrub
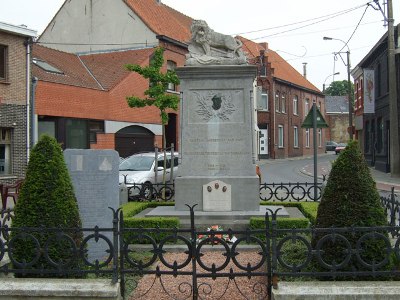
column 350, row 198
column 46, row 200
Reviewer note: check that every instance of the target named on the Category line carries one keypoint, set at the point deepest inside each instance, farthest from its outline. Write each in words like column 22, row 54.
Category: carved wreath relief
column 214, row 105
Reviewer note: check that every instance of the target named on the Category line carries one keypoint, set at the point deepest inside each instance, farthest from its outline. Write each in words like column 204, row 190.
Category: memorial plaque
column 217, row 196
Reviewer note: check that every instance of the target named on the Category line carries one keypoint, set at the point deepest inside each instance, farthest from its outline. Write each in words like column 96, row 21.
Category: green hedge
column 308, row 209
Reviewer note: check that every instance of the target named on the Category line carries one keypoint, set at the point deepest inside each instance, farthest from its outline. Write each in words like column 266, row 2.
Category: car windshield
column 342, row 145
column 137, row 163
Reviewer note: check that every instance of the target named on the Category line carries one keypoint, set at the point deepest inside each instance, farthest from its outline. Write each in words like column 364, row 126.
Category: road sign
column 308, row 121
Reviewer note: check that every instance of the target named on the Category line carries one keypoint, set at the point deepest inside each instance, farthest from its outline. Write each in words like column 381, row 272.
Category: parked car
column 138, row 172
column 330, row 146
column 340, row 147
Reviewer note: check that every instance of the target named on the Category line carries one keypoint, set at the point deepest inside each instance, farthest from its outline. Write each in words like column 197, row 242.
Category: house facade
column 372, row 105
column 284, row 99
column 89, row 43
column 94, row 31
column 15, row 49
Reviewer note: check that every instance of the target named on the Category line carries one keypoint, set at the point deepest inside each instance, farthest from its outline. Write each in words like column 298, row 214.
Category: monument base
column 245, row 192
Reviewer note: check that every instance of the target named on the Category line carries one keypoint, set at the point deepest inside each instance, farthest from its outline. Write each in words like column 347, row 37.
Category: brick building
column 285, row 99
column 337, row 117
column 82, row 82
column 14, row 100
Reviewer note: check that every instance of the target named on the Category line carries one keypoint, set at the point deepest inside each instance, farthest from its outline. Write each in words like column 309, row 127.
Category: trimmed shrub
column 148, row 225
column 308, row 209
column 46, row 200
column 350, row 198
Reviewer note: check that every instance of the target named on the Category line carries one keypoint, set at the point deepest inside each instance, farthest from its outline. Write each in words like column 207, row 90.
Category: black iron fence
column 299, row 191
column 248, row 261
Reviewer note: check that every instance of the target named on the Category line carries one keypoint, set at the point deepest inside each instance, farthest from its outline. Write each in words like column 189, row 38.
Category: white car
column 140, row 172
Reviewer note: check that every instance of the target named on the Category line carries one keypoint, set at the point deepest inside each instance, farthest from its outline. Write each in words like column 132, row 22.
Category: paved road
column 301, row 169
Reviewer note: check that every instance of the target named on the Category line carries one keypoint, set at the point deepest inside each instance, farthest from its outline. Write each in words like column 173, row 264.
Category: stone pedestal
column 216, row 138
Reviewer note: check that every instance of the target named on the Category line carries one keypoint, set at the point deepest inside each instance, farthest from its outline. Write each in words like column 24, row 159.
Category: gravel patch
column 170, row 287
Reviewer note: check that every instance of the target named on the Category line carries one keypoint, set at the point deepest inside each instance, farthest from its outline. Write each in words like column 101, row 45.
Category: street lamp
column 323, row 86
column 348, row 83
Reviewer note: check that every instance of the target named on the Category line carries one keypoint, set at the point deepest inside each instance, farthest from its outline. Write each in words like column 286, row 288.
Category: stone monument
column 217, row 170
column 94, row 175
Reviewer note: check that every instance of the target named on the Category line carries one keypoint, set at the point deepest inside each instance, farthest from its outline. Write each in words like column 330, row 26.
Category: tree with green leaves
column 156, row 94
column 47, row 200
column 339, row 88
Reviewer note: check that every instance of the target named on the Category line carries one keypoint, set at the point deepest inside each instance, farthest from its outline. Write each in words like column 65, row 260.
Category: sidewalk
column 384, row 181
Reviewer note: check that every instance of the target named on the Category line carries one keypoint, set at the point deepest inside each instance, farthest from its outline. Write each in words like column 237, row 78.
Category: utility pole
column 393, row 108
column 350, row 97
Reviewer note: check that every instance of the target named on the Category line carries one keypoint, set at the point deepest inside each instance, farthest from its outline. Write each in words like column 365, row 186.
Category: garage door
column 133, row 139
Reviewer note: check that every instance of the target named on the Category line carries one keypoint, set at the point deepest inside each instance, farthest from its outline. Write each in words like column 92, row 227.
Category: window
column 320, row 137
column 308, row 138
column 76, row 134
column 171, row 66
column 47, row 127
column 283, row 105
column 3, row 62
column 277, row 95
column 295, row 137
column 280, row 137
column 263, row 103
column 46, row 66
column 296, row 105
column 94, row 128
column 5, row 151
column 307, row 107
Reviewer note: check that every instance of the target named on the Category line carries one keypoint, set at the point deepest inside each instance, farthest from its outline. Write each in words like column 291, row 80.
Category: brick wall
column 13, row 104
column 13, row 90
column 104, row 141
column 14, row 117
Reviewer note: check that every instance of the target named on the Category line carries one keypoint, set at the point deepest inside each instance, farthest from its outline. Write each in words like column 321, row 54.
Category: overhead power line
column 325, row 17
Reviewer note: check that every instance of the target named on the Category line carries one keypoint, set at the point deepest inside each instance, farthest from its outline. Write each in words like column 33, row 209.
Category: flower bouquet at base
column 215, row 228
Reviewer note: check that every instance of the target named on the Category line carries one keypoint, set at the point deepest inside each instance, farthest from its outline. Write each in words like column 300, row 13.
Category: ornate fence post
column 115, row 243
column 195, row 291
column 121, row 253
column 269, row 258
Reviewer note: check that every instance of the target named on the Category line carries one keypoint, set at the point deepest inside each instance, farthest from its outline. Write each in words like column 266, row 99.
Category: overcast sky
column 264, row 21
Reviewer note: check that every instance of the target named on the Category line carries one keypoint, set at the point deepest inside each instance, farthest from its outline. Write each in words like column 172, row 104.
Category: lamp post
column 323, row 86
column 348, row 83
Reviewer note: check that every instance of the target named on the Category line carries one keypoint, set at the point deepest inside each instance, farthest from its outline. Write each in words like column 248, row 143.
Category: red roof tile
column 74, row 72
column 96, row 71
column 162, row 19
column 109, row 68
column 282, row 69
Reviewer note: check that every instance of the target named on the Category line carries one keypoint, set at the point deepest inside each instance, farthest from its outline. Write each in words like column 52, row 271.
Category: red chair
column 11, row 191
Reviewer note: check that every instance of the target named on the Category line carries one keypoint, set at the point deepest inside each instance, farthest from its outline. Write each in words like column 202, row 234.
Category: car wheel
column 147, row 191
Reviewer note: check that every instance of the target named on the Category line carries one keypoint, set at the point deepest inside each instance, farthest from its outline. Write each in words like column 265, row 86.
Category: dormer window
column 46, row 66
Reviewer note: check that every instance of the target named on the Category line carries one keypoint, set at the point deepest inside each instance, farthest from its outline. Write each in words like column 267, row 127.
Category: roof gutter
column 165, row 38
column 299, row 87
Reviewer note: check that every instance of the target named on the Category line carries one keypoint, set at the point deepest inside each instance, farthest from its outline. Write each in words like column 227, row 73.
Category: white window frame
column 319, row 137
column 171, row 66
column 281, row 142
column 6, row 142
column 306, row 106
column 277, row 101
column 296, row 105
column 308, row 138
column 264, row 100
column 283, row 103
column 295, row 137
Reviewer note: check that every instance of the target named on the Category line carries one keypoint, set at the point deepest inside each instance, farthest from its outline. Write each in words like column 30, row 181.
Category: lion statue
column 207, row 46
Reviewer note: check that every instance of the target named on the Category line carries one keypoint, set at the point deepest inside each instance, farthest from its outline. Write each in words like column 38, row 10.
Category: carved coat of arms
column 214, row 105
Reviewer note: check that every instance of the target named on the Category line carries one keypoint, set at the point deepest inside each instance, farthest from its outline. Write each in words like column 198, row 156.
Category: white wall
column 90, row 22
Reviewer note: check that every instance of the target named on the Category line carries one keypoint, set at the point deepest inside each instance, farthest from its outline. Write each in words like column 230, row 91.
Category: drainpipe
column 28, row 43
column 34, row 131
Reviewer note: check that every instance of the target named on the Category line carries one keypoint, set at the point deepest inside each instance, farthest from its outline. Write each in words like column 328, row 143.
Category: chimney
column 264, row 45
column 305, row 70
